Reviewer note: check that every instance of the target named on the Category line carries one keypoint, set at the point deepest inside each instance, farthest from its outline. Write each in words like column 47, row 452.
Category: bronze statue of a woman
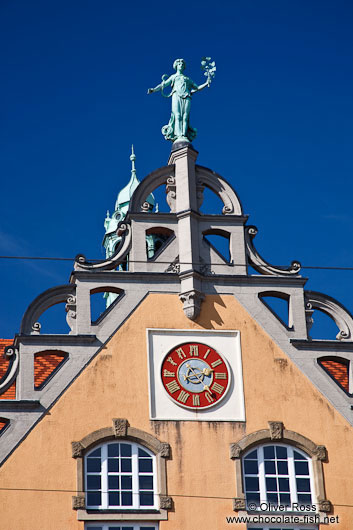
column 178, row 128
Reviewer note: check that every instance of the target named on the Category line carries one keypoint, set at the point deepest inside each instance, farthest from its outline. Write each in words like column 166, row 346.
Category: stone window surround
column 121, row 430
column 277, row 432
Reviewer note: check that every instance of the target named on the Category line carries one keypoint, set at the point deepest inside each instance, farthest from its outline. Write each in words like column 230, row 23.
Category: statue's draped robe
column 181, row 99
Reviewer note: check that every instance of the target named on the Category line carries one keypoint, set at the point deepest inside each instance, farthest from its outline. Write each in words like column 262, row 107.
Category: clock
column 195, row 376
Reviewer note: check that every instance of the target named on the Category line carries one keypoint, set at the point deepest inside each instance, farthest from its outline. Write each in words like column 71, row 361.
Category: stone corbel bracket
column 12, row 354
column 332, row 308
column 262, row 266
column 192, row 303
column 123, row 231
column 121, row 429
column 276, row 431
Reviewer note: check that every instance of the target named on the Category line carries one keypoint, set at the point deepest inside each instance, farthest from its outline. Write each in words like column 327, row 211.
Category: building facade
column 189, row 403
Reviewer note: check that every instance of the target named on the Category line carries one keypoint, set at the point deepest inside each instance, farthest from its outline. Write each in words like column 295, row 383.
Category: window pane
column 145, row 465
column 253, row 455
column 298, row 456
column 146, row 482
column 251, row 483
column 272, row 498
column 125, row 449
column 93, row 464
column 271, row 484
column 93, row 498
column 270, row 467
column 285, row 499
column 93, row 482
column 269, row 452
column 126, row 482
column 113, row 465
column 95, row 527
column 281, row 452
column 303, row 484
column 113, row 450
column 283, row 484
column 143, row 453
column 97, row 452
column 126, row 498
column 251, row 467
column 113, row 482
column 253, row 497
column 126, row 465
column 304, row 498
column 114, row 499
column 301, row 468
column 282, row 467
column 146, row 499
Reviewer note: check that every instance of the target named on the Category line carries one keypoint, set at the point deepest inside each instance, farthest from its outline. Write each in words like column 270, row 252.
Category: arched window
column 277, row 474
column 120, row 475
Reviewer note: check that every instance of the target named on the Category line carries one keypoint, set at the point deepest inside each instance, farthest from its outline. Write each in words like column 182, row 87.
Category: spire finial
column 133, row 158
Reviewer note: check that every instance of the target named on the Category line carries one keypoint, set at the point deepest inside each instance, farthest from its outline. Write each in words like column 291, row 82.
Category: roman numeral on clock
column 167, row 373
column 216, row 363
column 173, row 386
column 183, row 396
column 220, row 375
column 217, row 388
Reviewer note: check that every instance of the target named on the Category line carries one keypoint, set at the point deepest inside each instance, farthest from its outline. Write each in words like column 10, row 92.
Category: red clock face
column 195, row 375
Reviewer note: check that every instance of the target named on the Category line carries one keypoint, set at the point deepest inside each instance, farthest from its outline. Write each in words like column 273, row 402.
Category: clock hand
column 205, row 387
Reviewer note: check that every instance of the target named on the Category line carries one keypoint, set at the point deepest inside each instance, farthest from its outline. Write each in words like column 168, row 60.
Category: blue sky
column 276, row 123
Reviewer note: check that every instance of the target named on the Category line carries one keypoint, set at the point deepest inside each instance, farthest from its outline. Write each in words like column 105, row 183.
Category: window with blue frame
column 275, row 475
column 120, row 476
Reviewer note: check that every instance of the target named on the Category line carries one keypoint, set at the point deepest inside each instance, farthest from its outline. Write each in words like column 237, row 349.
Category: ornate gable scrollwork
column 332, row 308
column 262, row 266
column 123, row 231
column 12, row 354
column 208, row 178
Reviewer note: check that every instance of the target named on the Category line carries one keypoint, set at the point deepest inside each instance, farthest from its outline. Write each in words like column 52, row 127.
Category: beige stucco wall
column 201, row 476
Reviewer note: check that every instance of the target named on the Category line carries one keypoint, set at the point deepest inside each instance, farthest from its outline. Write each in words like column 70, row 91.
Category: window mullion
column 262, row 479
column 292, row 478
column 135, row 478
column 104, row 475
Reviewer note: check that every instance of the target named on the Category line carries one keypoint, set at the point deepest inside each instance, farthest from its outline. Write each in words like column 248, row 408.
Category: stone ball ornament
column 195, row 376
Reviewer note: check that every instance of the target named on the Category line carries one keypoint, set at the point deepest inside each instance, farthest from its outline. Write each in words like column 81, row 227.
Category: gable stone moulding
column 332, row 308
column 50, row 297
column 162, row 175
column 121, row 430
column 217, row 184
column 11, row 354
column 276, row 431
column 123, row 231
column 262, row 266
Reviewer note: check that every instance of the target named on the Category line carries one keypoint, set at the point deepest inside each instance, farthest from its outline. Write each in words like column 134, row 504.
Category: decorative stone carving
column 199, row 193
column 165, row 502
column 123, row 231
column 235, row 451
column 78, row 502
column 205, row 268
column 174, row 266
column 276, row 430
column 325, row 506
column 145, row 207
column 77, row 449
column 321, row 452
column 70, row 309
column 309, row 317
column 333, row 309
column 192, row 303
column 239, row 504
column 36, row 327
column 120, row 426
column 165, row 450
column 262, row 266
column 12, row 354
column 171, row 194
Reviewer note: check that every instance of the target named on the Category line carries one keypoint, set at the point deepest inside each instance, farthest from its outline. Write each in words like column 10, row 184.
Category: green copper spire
column 182, row 88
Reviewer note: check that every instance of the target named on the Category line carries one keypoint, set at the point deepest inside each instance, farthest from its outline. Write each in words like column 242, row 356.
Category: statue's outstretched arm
column 197, row 88
column 161, row 85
